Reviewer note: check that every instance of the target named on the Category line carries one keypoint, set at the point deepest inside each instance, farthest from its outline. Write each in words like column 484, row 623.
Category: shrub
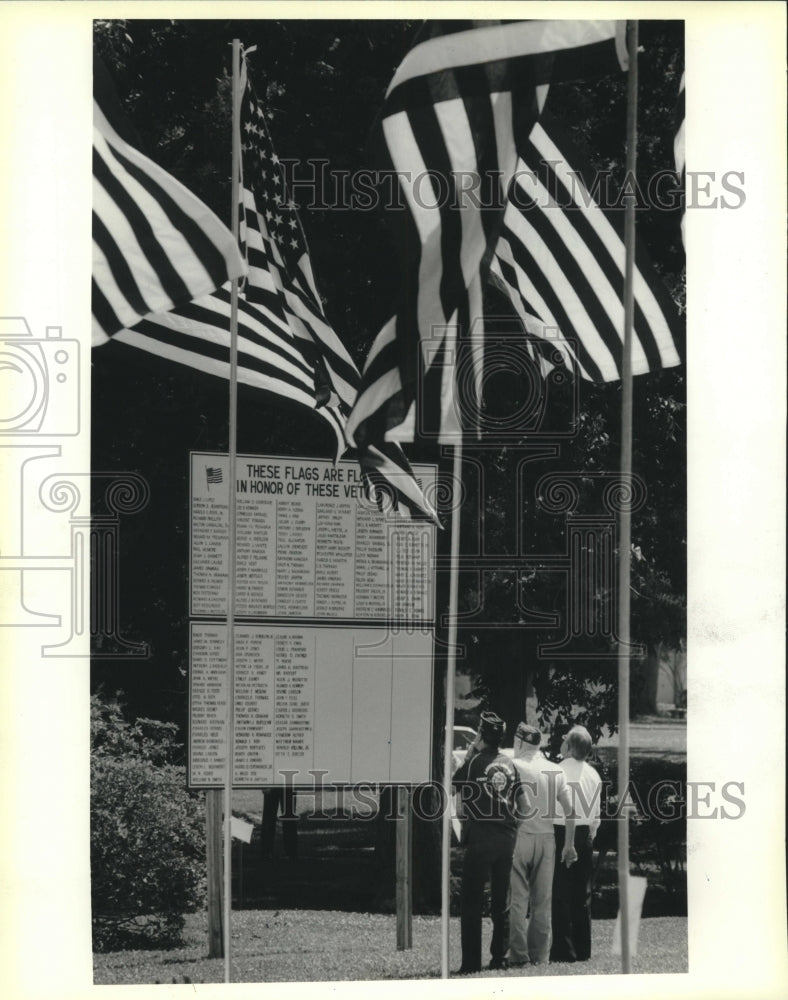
column 147, row 842
column 657, row 830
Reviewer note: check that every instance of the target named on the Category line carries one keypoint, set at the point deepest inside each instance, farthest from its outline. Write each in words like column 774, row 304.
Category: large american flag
column 462, row 100
column 286, row 346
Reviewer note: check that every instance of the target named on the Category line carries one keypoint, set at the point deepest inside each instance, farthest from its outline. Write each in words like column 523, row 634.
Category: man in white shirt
column 541, row 787
column 572, row 887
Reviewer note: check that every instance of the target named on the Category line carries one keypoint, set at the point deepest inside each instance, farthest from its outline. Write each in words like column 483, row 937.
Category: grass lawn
column 325, row 946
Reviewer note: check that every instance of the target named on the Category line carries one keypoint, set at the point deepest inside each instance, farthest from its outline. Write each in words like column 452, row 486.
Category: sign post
column 213, row 849
column 404, row 868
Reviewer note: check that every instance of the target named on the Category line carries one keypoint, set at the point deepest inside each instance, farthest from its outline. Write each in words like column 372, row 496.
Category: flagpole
column 449, row 733
column 231, row 505
column 625, row 517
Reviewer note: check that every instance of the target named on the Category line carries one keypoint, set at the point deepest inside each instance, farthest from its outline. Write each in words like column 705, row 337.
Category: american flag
column 462, row 100
column 280, row 281
column 155, row 244
column 560, row 260
column 286, row 345
column 213, row 475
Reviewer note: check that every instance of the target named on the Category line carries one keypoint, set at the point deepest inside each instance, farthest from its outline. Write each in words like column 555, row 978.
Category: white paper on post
column 637, row 893
column 241, row 830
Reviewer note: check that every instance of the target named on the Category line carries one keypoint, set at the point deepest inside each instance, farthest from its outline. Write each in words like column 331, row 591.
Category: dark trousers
column 488, row 855
column 572, row 889
column 273, row 800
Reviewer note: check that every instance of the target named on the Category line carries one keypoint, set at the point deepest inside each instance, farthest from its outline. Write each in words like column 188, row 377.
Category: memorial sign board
column 334, row 627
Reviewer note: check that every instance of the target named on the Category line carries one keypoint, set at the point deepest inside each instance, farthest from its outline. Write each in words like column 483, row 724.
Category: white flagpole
column 232, row 448
column 625, row 518
column 449, row 734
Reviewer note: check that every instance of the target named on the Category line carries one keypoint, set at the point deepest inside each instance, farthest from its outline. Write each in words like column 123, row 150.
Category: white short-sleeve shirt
column 585, row 791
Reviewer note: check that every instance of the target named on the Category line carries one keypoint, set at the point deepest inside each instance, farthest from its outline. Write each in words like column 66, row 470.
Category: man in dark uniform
column 485, row 781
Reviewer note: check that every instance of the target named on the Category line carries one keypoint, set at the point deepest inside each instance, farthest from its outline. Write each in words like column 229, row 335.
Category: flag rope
column 625, row 516
column 231, row 512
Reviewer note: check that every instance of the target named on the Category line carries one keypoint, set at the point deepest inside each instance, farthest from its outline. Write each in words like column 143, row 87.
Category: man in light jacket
column 540, row 788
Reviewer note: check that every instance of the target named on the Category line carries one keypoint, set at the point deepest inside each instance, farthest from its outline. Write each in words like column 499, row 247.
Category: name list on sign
column 351, row 705
column 310, row 544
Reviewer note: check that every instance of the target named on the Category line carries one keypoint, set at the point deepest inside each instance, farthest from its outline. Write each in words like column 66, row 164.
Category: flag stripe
column 679, row 152
column 678, row 143
column 544, row 49
column 118, row 266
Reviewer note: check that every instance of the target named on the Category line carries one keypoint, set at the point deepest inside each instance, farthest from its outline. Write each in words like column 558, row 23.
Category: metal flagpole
column 232, row 447
column 449, row 735
column 625, row 518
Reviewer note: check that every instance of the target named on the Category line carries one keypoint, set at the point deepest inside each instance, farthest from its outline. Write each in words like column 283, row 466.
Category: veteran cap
column 492, row 727
column 528, row 734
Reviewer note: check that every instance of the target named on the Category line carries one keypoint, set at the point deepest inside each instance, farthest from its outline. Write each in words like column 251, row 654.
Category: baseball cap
column 528, row 734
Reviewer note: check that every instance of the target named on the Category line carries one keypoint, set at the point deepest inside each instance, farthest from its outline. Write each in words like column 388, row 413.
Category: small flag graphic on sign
column 213, row 476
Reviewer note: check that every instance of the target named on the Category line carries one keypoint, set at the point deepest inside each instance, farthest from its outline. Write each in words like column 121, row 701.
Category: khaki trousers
column 531, row 885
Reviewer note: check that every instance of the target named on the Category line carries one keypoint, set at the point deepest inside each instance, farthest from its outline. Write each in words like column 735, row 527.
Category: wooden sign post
column 404, row 854
column 213, row 847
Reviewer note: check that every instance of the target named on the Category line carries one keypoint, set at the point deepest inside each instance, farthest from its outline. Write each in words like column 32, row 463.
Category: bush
column 147, row 843
column 657, row 832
